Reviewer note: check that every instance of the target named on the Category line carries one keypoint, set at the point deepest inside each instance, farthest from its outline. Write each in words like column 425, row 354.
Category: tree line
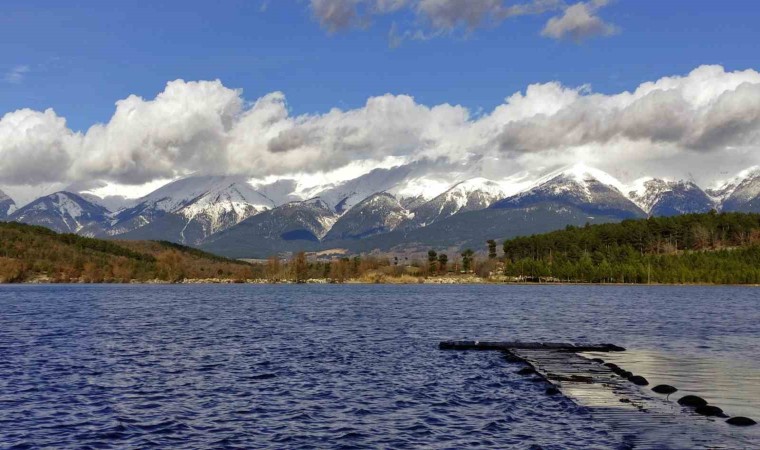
column 693, row 248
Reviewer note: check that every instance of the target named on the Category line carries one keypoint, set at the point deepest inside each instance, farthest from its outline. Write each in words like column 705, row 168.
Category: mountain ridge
column 201, row 210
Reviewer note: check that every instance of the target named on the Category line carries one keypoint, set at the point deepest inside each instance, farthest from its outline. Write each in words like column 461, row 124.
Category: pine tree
column 491, row 249
column 467, row 257
column 432, row 259
column 443, row 260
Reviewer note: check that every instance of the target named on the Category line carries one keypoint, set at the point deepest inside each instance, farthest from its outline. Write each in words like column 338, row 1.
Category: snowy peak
column 222, row 207
column 591, row 190
column 468, row 195
column 181, row 193
column 742, row 193
column 7, row 206
column 344, row 196
column 658, row 197
column 64, row 212
column 482, row 186
column 212, row 203
column 722, row 190
column 379, row 213
column 307, row 220
column 578, row 179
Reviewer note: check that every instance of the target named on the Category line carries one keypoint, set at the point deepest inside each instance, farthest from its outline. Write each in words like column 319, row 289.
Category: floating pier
column 616, row 395
column 508, row 346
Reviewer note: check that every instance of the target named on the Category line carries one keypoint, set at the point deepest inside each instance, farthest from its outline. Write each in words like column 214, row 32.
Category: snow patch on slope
column 726, row 188
column 575, row 177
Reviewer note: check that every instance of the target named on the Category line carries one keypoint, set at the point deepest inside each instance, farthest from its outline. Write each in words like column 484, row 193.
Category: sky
column 132, row 92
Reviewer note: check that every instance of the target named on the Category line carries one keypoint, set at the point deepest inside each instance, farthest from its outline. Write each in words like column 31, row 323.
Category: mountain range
column 392, row 209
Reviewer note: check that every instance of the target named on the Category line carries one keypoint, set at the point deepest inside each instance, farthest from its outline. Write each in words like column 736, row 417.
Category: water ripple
column 238, row 366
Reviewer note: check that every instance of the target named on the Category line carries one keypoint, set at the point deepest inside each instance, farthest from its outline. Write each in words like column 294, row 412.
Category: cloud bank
column 432, row 18
column 678, row 123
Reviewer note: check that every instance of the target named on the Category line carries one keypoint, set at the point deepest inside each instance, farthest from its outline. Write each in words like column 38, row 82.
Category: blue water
column 351, row 366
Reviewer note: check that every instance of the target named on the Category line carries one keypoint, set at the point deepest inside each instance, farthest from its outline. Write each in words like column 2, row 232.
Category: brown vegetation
column 29, row 253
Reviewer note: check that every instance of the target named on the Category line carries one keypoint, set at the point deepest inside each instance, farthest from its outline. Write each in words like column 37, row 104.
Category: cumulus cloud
column 34, row 146
column 579, row 22
column 679, row 123
column 186, row 127
column 673, row 110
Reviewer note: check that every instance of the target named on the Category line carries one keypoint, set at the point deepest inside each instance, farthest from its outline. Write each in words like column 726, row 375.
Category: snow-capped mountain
column 590, row 190
column 743, row 192
column 191, row 209
column 379, row 213
column 344, row 196
column 7, row 206
column 385, row 207
column 659, row 197
column 292, row 226
column 64, row 212
column 469, row 195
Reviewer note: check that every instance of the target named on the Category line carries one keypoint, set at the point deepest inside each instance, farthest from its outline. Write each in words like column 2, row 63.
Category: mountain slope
column 344, row 196
column 743, row 194
column 7, row 206
column 659, row 197
column 379, row 213
column 64, row 212
column 590, row 190
column 472, row 229
column 469, row 195
column 37, row 253
column 190, row 210
column 289, row 227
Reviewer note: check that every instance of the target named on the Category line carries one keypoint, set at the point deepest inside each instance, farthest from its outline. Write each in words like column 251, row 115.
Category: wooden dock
column 611, row 394
column 516, row 345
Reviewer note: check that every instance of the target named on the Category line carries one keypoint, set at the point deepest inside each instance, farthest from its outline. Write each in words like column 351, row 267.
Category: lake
column 352, row 366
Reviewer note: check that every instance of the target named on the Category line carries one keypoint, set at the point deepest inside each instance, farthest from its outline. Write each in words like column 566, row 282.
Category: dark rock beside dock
column 692, row 401
column 741, row 421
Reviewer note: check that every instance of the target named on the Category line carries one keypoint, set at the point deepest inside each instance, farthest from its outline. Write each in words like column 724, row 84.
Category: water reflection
column 730, row 384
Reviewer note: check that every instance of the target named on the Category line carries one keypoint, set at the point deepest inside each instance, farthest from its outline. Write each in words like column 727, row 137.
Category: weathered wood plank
column 558, row 346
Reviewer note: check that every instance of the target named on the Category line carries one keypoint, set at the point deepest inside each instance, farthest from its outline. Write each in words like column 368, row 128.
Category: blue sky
column 322, row 91
column 79, row 57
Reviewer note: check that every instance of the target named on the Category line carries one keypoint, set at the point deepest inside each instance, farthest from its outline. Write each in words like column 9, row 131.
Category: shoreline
column 427, row 281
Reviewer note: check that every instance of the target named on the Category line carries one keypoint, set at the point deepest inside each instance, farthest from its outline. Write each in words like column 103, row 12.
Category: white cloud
column 34, row 146
column 579, row 22
column 682, row 124
column 184, row 129
column 16, row 74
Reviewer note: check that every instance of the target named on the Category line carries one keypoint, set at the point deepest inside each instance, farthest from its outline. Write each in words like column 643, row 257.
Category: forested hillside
column 37, row 253
column 693, row 248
